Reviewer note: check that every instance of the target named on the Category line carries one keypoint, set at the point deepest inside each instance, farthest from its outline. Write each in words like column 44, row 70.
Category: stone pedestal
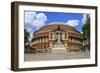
column 58, row 50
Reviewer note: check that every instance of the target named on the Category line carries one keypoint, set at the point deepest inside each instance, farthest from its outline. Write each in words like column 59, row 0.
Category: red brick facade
column 45, row 38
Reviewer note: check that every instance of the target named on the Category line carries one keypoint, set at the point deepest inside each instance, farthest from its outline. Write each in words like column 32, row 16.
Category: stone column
column 53, row 36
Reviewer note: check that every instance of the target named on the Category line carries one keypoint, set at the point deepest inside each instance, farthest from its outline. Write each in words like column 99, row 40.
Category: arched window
column 65, row 36
column 51, row 35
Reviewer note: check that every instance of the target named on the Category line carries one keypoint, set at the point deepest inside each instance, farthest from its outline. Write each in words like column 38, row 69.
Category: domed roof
column 54, row 26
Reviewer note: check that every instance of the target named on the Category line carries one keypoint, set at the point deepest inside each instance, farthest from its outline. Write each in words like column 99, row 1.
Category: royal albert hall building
column 56, row 35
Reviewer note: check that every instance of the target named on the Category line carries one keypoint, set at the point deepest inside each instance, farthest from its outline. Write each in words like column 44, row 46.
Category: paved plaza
column 56, row 56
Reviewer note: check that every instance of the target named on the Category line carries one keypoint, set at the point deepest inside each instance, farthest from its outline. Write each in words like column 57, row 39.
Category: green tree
column 86, row 32
column 86, row 28
column 26, row 36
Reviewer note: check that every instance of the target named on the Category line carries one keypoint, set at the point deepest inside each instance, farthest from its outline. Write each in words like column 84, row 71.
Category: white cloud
column 31, row 36
column 81, row 32
column 40, row 20
column 41, row 16
column 29, row 17
column 84, row 19
column 38, row 23
column 29, row 29
column 34, row 20
column 73, row 22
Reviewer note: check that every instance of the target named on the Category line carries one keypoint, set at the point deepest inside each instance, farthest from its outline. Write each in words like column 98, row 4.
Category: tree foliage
column 86, row 28
column 26, row 36
column 86, row 33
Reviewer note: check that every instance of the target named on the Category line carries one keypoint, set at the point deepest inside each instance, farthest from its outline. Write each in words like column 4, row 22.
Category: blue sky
column 35, row 19
column 65, row 17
